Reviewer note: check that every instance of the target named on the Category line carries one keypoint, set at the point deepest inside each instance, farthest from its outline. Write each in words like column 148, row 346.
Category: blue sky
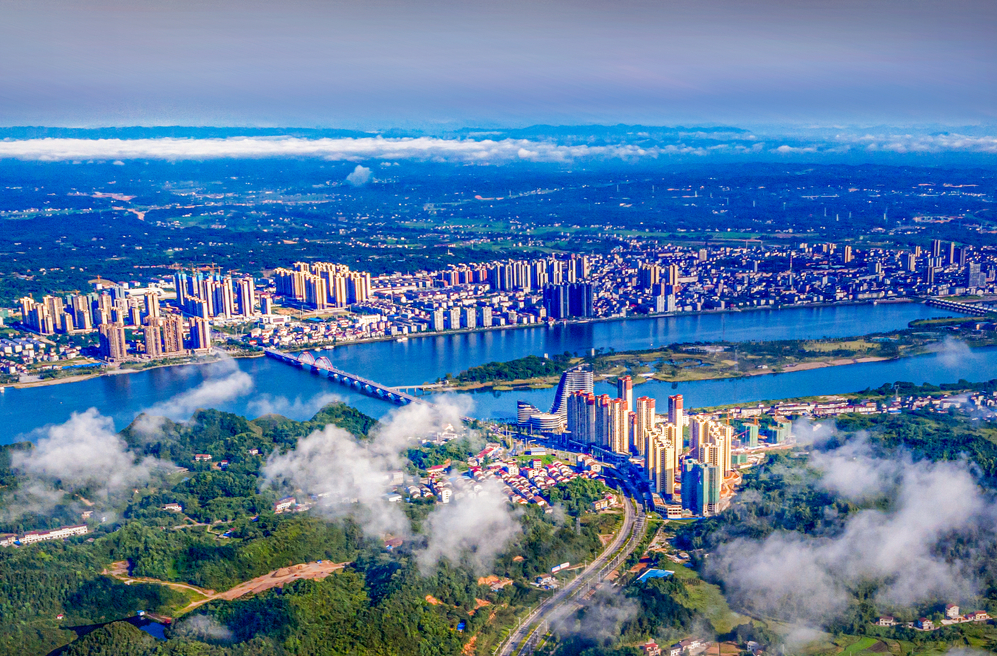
column 380, row 63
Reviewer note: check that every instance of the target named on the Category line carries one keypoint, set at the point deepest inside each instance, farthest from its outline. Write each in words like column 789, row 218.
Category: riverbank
column 197, row 360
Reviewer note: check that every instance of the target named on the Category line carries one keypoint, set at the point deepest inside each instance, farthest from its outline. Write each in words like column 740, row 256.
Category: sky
column 381, row 63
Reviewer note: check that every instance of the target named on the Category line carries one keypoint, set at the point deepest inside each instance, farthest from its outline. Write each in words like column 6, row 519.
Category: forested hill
column 56, row 593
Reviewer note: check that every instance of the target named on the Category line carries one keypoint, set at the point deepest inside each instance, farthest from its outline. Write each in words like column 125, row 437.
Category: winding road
column 623, row 544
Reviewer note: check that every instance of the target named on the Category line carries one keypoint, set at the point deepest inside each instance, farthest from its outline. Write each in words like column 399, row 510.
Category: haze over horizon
column 390, row 64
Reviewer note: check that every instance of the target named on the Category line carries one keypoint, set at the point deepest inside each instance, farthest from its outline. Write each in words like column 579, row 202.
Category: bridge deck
column 365, row 385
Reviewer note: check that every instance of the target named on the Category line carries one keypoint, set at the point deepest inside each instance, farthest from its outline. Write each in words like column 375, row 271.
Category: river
column 255, row 386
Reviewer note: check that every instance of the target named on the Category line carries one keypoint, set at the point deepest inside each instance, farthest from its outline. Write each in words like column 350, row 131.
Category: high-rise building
column 576, row 379
column 266, row 304
column 439, row 320
column 625, row 391
column 568, row 300
column 200, row 334
column 848, row 254
column 675, row 413
column 180, row 284
column 153, row 337
column 705, row 433
column 660, row 464
column 469, row 318
column 781, row 431
column 581, row 296
column 674, row 436
column 112, row 342
column 358, row 287
column 672, row 275
column 975, row 277
column 35, row 316
column 910, row 261
column 936, row 248
column 581, row 417
column 611, row 424
column 555, row 301
column 82, row 312
column 751, row 434
column 648, row 275
column 643, row 423
column 247, row 296
column 172, row 333
column 316, row 292
column 152, row 304
column 485, row 316
column 701, row 486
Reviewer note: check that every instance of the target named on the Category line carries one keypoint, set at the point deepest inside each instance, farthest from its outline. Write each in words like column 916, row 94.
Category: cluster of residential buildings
column 952, row 616
column 700, row 476
column 648, row 279
column 61, row 533
column 687, row 647
column 175, row 314
column 748, row 415
column 19, row 355
column 522, row 484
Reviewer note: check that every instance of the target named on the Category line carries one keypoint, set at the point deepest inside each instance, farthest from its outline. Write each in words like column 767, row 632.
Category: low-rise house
column 925, row 624
column 173, row 507
column 951, row 612
column 650, row 649
column 284, row 504
column 887, row 620
column 977, row 616
column 202, row 457
column 60, row 533
column 7, row 539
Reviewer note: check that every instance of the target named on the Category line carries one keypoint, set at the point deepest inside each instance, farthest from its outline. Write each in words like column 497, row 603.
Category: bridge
column 323, row 366
column 963, row 308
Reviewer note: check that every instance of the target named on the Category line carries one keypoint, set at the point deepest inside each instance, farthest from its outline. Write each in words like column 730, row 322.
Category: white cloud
column 792, row 150
column 475, row 527
column 421, row 148
column 299, row 409
column 808, row 578
column 224, row 381
column 910, row 143
column 352, row 477
column 203, row 628
column 84, row 452
column 359, row 177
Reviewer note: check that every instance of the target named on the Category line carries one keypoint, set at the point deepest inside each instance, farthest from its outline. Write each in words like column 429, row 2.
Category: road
column 622, row 545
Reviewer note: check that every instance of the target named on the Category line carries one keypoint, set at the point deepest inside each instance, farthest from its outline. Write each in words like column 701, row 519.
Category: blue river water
column 253, row 387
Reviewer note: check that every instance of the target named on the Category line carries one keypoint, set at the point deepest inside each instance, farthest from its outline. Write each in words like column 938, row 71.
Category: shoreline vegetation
column 685, row 362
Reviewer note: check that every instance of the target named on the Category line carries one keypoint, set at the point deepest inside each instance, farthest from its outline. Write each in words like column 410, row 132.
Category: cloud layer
column 495, row 151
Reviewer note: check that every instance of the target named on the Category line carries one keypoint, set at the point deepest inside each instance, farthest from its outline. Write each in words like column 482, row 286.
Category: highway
column 528, row 633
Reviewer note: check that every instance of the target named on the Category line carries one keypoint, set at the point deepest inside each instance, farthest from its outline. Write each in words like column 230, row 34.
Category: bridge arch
column 306, row 358
column 323, row 363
